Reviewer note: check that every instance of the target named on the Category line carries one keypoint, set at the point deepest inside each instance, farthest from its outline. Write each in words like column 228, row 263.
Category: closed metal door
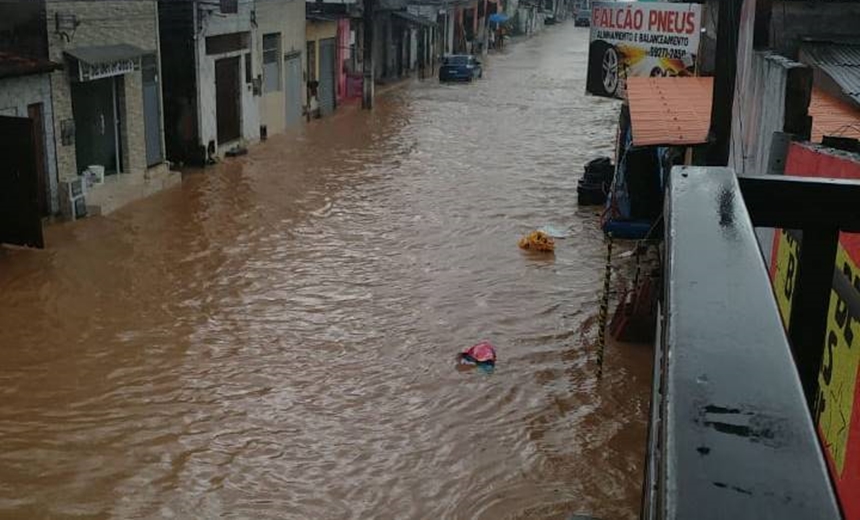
column 152, row 110
column 293, row 65
column 326, row 87
column 20, row 222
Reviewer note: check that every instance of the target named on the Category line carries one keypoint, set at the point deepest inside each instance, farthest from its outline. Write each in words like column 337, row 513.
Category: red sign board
column 837, row 409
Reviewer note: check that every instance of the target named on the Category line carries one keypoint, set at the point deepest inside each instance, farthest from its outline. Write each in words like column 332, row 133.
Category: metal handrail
column 731, row 433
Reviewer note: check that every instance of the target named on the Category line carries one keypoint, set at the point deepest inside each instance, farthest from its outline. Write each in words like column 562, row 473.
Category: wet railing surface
column 276, row 338
column 732, row 436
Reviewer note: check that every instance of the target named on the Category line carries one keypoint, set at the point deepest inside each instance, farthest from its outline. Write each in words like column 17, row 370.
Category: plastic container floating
column 484, row 353
column 538, row 241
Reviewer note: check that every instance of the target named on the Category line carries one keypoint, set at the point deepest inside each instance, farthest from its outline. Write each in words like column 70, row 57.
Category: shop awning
column 104, row 61
column 670, row 111
column 832, row 116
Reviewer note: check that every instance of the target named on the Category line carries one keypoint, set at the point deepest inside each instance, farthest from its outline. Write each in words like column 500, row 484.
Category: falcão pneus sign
column 640, row 39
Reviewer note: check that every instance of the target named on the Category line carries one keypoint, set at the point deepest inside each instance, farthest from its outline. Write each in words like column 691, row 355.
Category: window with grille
column 271, row 62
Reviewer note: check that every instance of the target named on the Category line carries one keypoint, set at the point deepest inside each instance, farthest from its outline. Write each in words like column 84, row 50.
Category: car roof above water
column 457, row 58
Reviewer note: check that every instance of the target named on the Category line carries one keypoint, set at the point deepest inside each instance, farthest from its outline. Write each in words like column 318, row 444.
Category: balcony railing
column 731, row 433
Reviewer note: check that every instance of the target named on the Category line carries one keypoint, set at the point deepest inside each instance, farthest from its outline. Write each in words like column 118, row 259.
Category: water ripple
column 276, row 337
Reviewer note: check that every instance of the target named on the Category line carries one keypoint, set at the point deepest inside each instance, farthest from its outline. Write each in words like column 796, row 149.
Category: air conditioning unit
column 73, row 204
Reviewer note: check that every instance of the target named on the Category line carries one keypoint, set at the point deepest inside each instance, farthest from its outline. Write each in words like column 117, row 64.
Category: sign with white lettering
column 89, row 72
column 640, row 39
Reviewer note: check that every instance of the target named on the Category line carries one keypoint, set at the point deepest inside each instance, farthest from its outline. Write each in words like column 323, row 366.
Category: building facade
column 25, row 92
column 107, row 98
column 29, row 96
column 281, row 46
column 212, row 79
column 321, row 40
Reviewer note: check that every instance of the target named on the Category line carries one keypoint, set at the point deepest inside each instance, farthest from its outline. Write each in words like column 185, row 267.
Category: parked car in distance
column 460, row 67
column 582, row 18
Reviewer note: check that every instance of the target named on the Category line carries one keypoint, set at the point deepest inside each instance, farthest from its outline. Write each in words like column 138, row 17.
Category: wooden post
column 367, row 87
column 728, row 27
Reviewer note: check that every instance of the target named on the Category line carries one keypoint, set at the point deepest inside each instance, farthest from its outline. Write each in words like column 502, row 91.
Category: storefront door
column 94, row 109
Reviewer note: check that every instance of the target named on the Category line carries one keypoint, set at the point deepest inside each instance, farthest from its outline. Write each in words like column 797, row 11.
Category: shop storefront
column 99, row 105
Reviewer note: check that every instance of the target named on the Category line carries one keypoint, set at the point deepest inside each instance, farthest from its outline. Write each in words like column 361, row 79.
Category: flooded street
column 275, row 339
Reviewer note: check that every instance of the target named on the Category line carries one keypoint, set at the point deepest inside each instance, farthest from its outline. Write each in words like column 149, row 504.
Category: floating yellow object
column 538, row 241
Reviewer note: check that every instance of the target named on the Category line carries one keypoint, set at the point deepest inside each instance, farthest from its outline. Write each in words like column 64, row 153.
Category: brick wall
column 134, row 145
column 103, row 22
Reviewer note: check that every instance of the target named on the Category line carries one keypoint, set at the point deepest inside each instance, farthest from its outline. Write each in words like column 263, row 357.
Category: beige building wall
column 317, row 31
column 287, row 18
column 214, row 23
column 103, row 22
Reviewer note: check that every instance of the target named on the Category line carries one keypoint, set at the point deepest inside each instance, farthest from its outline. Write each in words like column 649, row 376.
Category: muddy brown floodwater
column 275, row 339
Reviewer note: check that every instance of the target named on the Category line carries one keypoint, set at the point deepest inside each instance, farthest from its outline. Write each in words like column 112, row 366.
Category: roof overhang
column 670, row 111
column 840, row 62
column 14, row 65
column 104, row 61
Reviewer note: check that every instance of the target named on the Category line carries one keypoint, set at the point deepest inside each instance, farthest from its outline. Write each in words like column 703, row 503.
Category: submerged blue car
column 460, row 67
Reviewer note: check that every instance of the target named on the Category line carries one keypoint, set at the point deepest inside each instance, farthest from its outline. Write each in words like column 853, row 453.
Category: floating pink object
column 483, row 352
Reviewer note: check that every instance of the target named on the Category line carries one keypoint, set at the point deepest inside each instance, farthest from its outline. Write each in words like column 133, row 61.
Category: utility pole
column 728, row 27
column 367, row 87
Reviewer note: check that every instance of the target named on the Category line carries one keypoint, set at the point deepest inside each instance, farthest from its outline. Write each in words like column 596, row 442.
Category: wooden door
column 34, row 112
column 227, row 101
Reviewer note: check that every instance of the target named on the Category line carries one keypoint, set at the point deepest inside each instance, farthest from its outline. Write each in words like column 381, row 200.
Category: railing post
column 810, row 303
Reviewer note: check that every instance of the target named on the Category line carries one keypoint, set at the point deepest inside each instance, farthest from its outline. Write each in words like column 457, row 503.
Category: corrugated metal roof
column 840, row 61
column 670, row 111
column 832, row 116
